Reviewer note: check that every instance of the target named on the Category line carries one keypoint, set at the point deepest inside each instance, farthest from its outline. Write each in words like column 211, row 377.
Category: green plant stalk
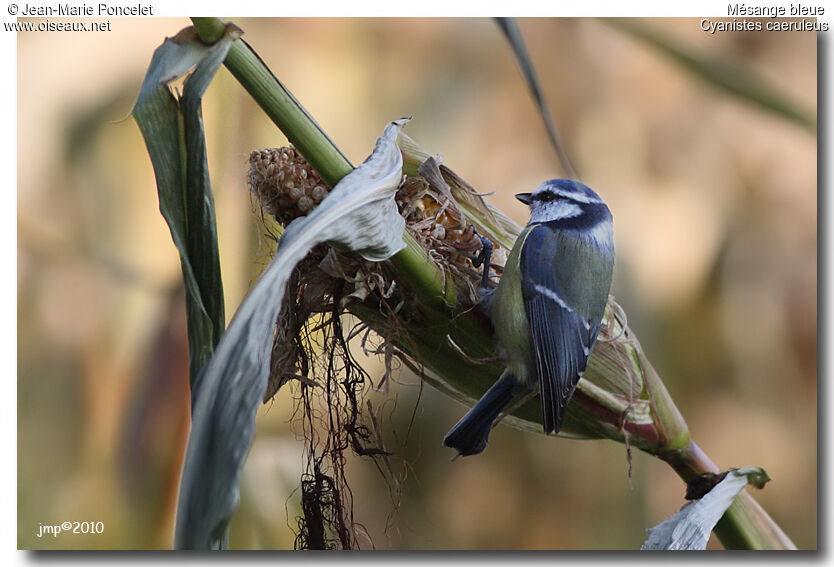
column 308, row 138
column 745, row 525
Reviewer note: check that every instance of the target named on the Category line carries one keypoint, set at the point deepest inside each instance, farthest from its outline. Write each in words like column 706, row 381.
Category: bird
column 547, row 308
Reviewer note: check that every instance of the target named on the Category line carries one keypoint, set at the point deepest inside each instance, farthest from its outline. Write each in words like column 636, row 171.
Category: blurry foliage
column 715, row 209
column 722, row 72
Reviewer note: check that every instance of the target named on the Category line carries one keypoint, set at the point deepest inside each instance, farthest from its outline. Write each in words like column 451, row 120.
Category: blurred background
column 715, row 208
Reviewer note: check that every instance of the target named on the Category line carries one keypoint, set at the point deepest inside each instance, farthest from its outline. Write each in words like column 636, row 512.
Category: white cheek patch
column 555, row 210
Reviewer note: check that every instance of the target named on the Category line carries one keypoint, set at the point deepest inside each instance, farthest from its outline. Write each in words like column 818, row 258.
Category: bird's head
column 559, row 199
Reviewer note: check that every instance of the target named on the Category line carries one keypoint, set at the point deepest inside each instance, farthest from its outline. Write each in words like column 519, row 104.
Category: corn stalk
column 621, row 396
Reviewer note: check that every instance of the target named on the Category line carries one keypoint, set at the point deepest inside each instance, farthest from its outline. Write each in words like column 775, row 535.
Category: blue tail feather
column 471, row 434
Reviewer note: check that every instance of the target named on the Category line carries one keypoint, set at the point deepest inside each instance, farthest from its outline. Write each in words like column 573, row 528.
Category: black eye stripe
column 550, row 196
column 547, row 197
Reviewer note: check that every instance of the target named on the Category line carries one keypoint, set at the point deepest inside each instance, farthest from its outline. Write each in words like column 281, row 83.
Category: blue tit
column 547, row 308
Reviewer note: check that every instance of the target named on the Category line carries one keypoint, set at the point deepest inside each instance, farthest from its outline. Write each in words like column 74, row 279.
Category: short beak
column 524, row 197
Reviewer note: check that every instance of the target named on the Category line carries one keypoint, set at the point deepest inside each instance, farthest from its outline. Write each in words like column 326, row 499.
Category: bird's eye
column 547, row 197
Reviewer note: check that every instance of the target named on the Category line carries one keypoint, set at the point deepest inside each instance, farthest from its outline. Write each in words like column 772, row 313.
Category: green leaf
column 359, row 214
column 689, row 529
column 173, row 133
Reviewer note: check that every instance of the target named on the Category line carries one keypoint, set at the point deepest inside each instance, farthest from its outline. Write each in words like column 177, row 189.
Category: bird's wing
column 560, row 273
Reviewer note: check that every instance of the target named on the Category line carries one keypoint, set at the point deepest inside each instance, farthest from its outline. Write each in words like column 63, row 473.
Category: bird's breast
column 510, row 318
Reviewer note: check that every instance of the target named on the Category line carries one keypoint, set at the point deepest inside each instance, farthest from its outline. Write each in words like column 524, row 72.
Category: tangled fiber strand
column 310, row 349
column 327, row 519
column 334, row 418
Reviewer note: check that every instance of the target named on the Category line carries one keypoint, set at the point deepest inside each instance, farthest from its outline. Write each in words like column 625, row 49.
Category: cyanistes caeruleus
column 547, row 308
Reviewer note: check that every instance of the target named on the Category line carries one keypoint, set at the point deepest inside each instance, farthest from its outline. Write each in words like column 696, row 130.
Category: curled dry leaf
column 359, row 215
column 689, row 529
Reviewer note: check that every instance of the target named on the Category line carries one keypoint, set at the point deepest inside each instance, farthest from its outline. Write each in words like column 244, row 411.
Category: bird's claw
column 484, row 258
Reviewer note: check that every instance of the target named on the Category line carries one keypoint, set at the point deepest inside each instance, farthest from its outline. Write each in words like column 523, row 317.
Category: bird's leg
column 484, row 258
